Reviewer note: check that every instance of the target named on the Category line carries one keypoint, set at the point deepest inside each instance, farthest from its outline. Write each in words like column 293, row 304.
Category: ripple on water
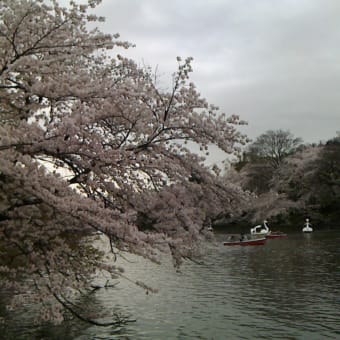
column 286, row 289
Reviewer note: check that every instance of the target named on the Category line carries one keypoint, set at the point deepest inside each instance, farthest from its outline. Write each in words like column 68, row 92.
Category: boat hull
column 273, row 235
column 254, row 242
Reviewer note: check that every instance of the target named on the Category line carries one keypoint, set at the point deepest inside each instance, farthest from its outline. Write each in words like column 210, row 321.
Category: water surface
column 286, row 289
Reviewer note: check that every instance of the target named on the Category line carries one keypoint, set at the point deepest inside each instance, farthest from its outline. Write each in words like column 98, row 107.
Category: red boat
column 246, row 242
column 276, row 234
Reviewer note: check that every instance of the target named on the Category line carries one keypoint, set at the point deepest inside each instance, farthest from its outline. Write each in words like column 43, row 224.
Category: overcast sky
column 275, row 63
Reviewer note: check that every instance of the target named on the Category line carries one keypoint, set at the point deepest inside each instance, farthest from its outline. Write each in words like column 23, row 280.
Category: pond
column 288, row 288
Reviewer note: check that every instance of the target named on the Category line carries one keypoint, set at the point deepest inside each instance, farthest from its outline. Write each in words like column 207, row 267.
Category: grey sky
column 276, row 63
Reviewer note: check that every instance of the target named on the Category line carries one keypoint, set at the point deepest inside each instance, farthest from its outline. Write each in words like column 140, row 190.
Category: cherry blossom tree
column 296, row 176
column 88, row 142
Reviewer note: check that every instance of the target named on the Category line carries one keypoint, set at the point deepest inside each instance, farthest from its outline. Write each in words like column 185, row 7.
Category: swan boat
column 307, row 228
column 263, row 230
column 260, row 229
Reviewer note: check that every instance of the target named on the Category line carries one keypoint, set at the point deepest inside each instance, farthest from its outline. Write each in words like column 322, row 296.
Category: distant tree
column 88, row 143
column 272, row 147
column 254, row 177
column 327, row 176
column 296, row 176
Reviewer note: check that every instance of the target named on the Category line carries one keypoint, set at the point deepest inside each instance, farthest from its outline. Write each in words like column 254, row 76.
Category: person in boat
column 242, row 238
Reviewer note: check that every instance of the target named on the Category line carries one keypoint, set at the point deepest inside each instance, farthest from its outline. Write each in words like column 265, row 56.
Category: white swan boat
column 263, row 230
column 307, row 228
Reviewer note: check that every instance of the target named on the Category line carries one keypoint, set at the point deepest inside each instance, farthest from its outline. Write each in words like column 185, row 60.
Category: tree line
column 291, row 180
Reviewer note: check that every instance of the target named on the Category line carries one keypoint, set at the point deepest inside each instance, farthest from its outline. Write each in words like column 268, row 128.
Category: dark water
column 286, row 289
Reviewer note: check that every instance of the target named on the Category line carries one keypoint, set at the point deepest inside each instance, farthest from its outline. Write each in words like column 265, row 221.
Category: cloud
column 275, row 63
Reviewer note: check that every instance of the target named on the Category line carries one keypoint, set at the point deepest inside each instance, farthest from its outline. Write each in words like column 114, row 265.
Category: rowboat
column 245, row 241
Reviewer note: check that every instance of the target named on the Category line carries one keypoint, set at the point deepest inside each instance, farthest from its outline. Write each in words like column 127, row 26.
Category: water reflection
column 287, row 289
